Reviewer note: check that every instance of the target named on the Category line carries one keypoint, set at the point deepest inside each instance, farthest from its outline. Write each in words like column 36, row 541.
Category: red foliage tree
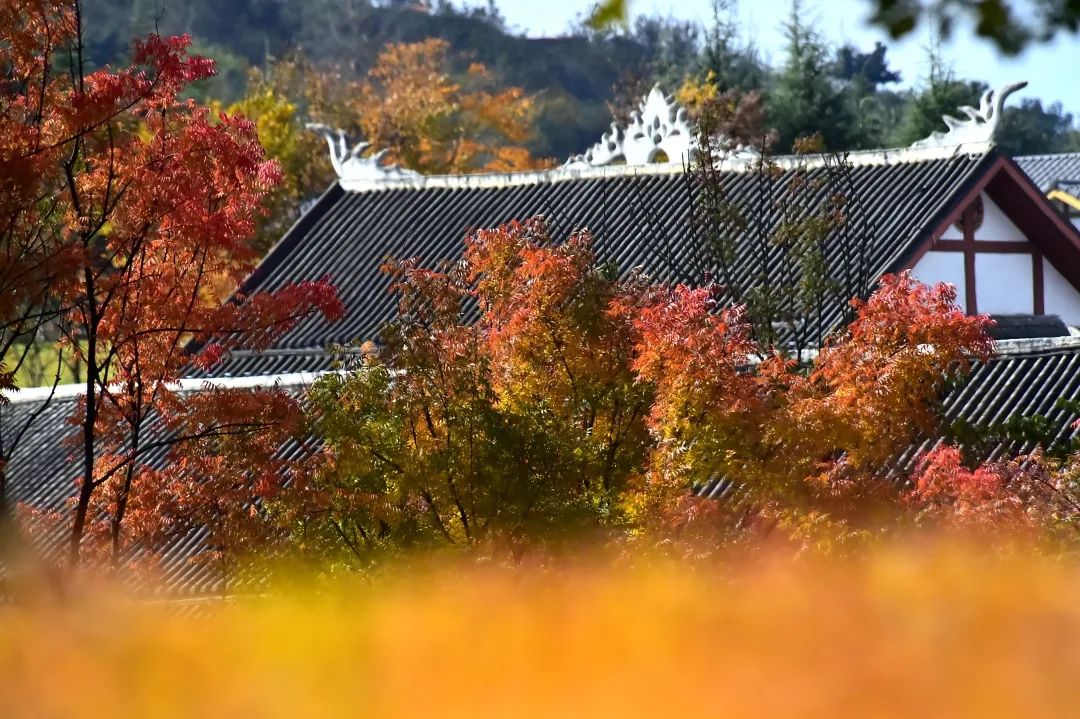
column 152, row 204
column 802, row 437
column 1025, row 495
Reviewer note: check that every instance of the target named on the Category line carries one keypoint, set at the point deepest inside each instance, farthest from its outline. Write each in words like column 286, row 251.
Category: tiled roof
column 1048, row 170
column 43, row 474
column 1026, row 378
column 639, row 219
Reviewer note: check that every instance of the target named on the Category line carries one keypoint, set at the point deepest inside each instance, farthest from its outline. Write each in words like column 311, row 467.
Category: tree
column 800, row 446
column 1032, row 129
column 410, row 103
column 276, row 100
column 792, row 261
column 877, row 110
column 672, row 48
column 522, row 425
column 803, row 100
column 488, row 13
column 1032, row 495
column 940, row 94
column 734, row 63
column 870, row 69
column 35, row 254
column 527, row 394
column 153, row 202
column 433, row 122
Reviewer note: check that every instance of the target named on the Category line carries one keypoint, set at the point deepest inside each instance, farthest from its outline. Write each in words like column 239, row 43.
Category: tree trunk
column 86, row 489
column 122, row 498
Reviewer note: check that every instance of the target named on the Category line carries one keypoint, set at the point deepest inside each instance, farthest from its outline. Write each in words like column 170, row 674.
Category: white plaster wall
column 952, row 233
column 1060, row 297
column 1003, row 283
column 996, row 227
column 948, row 267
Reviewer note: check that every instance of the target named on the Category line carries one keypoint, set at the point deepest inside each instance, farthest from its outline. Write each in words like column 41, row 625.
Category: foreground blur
column 902, row 632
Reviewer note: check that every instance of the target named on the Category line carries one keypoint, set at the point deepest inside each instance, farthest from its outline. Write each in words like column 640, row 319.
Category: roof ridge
column 1048, row 155
column 1035, row 345
column 735, row 164
column 187, row 384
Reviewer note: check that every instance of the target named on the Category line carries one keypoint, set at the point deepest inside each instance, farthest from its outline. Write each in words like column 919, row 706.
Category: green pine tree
column 941, row 94
column 805, row 98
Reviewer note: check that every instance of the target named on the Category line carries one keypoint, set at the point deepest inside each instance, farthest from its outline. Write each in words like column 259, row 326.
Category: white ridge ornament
column 659, row 126
column 351, row 168
column 981, row 125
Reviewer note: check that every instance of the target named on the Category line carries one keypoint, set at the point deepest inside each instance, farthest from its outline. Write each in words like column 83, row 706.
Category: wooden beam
column 1023, row 203
column 969, row 260
column 985, row 246
column 1037, row 284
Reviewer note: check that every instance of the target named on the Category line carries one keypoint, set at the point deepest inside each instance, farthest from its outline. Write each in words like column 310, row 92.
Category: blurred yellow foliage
column 927, row 631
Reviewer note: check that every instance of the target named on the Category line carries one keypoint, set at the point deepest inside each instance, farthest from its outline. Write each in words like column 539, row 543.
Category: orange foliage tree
column 524, row 423
column 579, row 400
column 799, row 438
column 428, row 117
column 151, row 204
column 412, row 102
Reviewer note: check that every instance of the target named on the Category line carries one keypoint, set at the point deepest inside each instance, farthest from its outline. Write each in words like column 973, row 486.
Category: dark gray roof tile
column 644, row 220
column 1049, row 170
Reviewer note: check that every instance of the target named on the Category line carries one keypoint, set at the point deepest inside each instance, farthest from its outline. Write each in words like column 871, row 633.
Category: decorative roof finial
column 351, row 168
column 658, row 127
column 981, row 125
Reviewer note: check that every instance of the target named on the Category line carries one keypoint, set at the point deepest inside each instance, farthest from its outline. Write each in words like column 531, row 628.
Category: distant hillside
column 849, row 95
column 572, row 75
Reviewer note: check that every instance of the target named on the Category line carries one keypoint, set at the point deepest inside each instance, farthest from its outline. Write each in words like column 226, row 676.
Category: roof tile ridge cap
column 1048, row 155
column 858, row 158
column 892, row 155
column 281, row 351
column 1034, row 345
column 187, row 384
column 512, row 178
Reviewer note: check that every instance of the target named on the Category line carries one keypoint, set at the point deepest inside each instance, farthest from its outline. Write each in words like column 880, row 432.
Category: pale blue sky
column 1053, row 69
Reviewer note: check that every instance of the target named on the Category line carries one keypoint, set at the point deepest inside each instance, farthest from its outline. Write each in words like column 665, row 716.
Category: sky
column 1048, row 67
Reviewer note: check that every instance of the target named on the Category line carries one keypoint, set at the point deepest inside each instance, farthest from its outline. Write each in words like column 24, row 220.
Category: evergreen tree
column 1032, row 129
column 877, row 111
column 879, row 115
column 672, row 49
column 869, row 69
column 805, row 100
column 734, row 65
column 941, row 94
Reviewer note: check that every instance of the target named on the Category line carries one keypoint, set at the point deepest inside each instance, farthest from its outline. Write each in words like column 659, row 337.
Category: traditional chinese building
column 950, row 208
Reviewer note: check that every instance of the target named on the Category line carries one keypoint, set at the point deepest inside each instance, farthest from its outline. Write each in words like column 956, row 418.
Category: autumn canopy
column 524, row 399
